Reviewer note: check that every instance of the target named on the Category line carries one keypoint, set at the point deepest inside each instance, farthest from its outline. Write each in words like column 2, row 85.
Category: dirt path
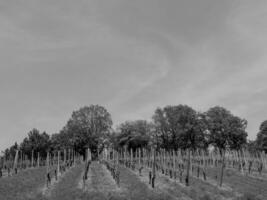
column 66, row 188
column 100, row 185
column 46, row 191
column 100, row 180
column 139, row 189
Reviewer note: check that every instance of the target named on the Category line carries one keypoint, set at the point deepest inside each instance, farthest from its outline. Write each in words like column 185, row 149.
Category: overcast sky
column 131, row 57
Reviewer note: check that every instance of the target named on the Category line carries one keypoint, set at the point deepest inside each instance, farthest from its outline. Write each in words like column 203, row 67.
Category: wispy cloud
column 130, row 56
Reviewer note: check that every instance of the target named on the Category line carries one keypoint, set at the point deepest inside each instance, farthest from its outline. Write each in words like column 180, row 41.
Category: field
column 31, row 184
column 24, row 185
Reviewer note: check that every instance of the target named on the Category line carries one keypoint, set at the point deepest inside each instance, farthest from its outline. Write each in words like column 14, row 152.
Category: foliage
column 180, row 127
column 262, row 137
column 10, row 153
column 87, row 127
column 134, row 134
column 37, row 142
column 226, row 130
column 60, row 140
column 173, row 127
column 252, row 146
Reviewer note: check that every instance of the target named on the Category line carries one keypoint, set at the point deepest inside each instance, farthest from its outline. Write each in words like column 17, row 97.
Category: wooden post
column 222, row 166
column 214, row 157
column 263, row 158
column 65, row 156
column 16, row 161
column 25, row 161
column 69, row 156
column 87, row 158
column 163, row 161
column 245, row 158
column 240, row 161
column 32, row 159
column 174, row 165
column 73, row 157
column 153, row 168
column 188, row 167
column 125, row 156
column 106, row 154
column 58, row 156
column 47, row 178
column 21, row 160
column 204, row 165
column 144, row 157
column 89, row 154
column 38, row 159
column 131, row 157
column 139, row 157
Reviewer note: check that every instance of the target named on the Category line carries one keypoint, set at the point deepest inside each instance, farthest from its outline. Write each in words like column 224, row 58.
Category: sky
column 130, row 57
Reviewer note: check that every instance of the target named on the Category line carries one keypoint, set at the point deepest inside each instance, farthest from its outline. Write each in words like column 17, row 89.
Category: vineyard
column 133, row 100
column 139, row 174
column 181, row 155
column 234, row 173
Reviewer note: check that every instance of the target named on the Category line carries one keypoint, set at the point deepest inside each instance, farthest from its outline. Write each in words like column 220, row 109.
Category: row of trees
column 261, row 141
column 182, row 127
column 171, row 127
column 35, row 141
column 88, row 127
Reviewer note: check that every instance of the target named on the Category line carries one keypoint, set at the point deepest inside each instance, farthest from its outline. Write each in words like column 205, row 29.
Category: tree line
column 170, row 127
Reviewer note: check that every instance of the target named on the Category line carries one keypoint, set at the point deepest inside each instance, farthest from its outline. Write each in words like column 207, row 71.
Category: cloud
column 130, row 56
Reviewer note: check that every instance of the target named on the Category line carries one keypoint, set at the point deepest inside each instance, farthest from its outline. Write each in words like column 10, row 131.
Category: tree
column 180, row 127
column 262, row 137
column 10, row 153
column 162, row 128
column 238, row 136
column 192, row 127
column 252, row 147
column 226, row 131
column 61, row 140
column 37, row 142
column 88, row 127
column 134, row 134
column 13, row 149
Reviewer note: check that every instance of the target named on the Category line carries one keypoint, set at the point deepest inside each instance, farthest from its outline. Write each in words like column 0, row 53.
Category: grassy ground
column 67, row 187
column 23, row 186
column 197, row 190
column 250, row 186
column 137, row 189
column 101, row 186
column 28, row 185
column 236, row 187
